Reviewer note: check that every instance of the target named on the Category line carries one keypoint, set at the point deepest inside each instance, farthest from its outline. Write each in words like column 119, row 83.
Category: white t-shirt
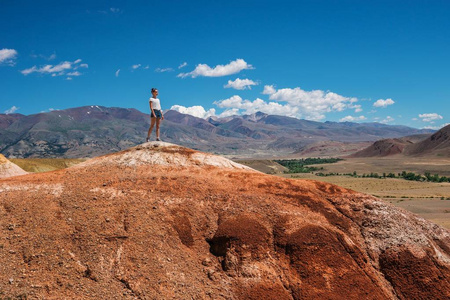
column 155, row 103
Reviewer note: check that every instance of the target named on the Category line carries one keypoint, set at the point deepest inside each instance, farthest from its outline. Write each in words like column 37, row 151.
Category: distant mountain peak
column 255, row 117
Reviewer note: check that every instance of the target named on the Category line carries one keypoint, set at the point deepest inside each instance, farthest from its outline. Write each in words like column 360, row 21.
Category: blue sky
column 362, row 61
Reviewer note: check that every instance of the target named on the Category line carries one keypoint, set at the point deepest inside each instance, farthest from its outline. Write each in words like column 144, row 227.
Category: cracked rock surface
column 159, row 221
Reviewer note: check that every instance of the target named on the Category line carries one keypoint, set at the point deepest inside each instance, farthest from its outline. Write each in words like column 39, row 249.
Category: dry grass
column 37, row 165
column 394, row 164
column 429, row 200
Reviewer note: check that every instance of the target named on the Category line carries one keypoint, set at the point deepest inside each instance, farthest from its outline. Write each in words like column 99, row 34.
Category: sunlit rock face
column 159, row 221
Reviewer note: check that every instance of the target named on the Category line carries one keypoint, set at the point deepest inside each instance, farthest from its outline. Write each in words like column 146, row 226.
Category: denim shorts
column 158, row 114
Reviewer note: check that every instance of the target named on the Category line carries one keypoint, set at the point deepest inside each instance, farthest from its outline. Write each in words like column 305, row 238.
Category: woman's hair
column 154, row 89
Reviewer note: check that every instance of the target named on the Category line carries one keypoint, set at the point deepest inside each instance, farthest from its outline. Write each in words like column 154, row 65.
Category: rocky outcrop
column 8, row 169
column 160, row 221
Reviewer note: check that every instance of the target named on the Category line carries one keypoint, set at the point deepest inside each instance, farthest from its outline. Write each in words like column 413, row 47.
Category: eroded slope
column 189, row 225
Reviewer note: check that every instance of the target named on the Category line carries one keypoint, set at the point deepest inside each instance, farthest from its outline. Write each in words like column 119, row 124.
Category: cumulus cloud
column 220, row 70
column 294, row 102
column 240, row 84
column 196, row 111
column 134, row 67
column 313, row 104
column 182, row 65
column 117, row 73
column 63, row 68
column 430, row 117
column 8, row 56
column 236, row 103
column 383, row 103
column 12, row 110
column 159, row 70
column 269, row 90
column 229, row 113
column 352, row 119
column 388, row 119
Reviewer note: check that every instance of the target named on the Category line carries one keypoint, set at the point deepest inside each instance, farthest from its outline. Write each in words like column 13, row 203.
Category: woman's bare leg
column 152, row 124
column 158, row 121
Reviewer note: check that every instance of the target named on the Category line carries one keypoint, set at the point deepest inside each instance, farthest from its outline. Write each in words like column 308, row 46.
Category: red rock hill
column 160, row 221
column 437, row 144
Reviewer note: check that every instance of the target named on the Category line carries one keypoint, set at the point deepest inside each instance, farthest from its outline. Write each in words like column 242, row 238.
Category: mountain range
column 90, row 131
column 437, row 144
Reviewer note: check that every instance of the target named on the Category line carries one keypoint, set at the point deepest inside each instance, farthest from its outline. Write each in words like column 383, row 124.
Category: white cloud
column 159, row 70
column 430, row 117
column 76, row 73
column 269, row 90
column 313, row 104
column 12, row 110
column 117, row 73
column 298, row 103
column 352, row 119
column 437, row 127
column 114, row 10
column 8, row 56
column 383, row 103
column 134, row 67
column 229, row 112
column 147, row 67
column 240, row 84
column 388, row 119
column 196, row 111
column 236, row 103
column 182, row 65
column 60, row 69
column 69, row 78
column 220, row 70
column 357, row 108
column 84, row 66
column 51, row 57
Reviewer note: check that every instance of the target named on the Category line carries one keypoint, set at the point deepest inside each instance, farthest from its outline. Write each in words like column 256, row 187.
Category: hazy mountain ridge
column 94, row 130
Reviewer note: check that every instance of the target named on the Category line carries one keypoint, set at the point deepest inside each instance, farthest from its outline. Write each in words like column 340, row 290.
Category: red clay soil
column 106, row 230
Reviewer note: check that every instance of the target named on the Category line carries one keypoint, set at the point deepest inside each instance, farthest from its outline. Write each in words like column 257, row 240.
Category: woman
column 155, row 114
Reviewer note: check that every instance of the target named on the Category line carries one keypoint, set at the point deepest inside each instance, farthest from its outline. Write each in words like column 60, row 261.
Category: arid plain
column 429, row 200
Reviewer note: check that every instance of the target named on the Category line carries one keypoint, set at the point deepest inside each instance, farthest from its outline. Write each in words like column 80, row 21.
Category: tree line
column 301, row 165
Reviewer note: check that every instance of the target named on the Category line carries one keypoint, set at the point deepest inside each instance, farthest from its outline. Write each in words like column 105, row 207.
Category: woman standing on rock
column 155, row 114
